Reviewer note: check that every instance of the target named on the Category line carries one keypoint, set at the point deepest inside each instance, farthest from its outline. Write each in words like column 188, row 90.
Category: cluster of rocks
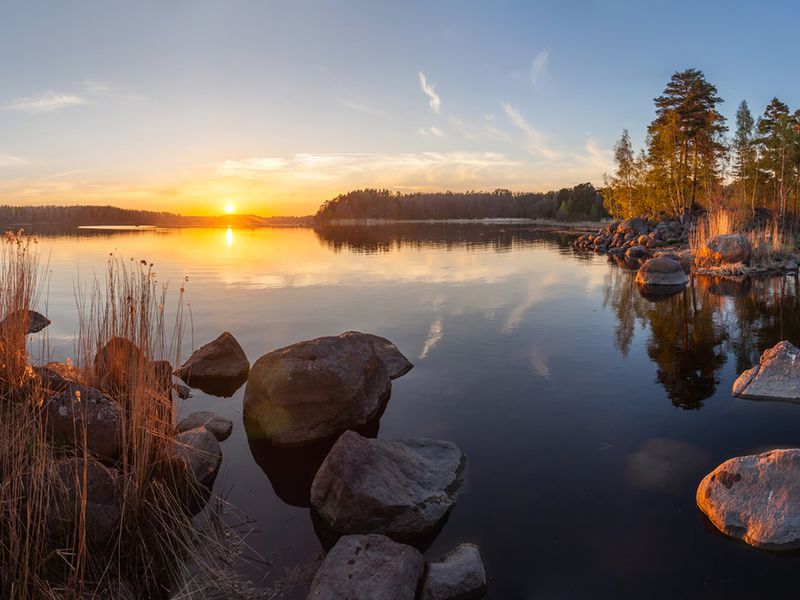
column 756, row 498
column 620, row 236
column 79, row 417
column 376, row 500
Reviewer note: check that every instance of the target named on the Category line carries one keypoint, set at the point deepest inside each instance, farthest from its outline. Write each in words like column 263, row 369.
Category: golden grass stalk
column 159, row 547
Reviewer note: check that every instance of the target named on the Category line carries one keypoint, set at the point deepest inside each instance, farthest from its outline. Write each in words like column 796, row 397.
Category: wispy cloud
column 431, row 131
column 535, row 141
column 419, row 167
column 44, row 102
column 430, row 90
column 9, row 160
column 538, row 66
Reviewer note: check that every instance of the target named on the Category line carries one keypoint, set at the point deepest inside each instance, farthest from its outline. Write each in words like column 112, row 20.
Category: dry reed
column 159, row 548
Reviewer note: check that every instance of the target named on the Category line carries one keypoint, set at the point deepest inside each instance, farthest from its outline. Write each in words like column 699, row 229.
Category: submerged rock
column 460, row 575
column 723, row 250
column 315, row 389
column 78, row 409
column 219, row 427
column 368, row 566
column 662, row 270
column 776, row 377
column 401, row 488
column 756, row 498
column 222, row 358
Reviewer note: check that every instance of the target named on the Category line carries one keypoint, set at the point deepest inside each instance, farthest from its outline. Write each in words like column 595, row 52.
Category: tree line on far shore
column 689, row 161
column 582, row 202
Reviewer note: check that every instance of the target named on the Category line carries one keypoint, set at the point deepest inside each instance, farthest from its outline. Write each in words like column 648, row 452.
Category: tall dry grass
column 769, row 242
column 159, row 549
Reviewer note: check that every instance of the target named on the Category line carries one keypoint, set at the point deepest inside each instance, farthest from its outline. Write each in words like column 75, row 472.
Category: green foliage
column 580, row 202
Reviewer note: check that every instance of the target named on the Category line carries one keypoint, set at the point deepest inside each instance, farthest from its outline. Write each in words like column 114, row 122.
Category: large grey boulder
column 723, row 250
column 219, row 427
column 756, row 498
column 401, row 488
column 368, row 567
column 396, row 363
column 101, row 488
column 316, row 389
column 775, row 377
column 459, row 575
column 80, row 415
column 222, row 358
column 662, row 270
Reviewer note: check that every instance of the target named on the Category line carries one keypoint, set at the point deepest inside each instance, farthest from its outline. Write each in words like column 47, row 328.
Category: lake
column 588, row 413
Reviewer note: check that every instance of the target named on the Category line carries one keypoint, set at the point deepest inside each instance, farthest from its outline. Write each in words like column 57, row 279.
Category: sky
column 271, row 108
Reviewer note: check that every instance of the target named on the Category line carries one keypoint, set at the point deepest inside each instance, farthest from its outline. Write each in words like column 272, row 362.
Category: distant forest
column 582, row 202
column 14, row 217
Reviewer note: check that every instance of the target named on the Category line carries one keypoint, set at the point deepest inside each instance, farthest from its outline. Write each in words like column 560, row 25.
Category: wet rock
column 459, row 575
column 662, row 270
column 30, row 321
column 401, row 488
column 756, row 498
column 100, row 486
column 368, row 566
column 79, row 410
column 182, row 390
column 776, row 377
column 219, row 427
column 723, row 250
column 634, row 226
column 315, row 389
column 396, row 363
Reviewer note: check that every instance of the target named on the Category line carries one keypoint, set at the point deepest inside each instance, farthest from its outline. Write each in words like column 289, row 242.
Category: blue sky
column 276, row 106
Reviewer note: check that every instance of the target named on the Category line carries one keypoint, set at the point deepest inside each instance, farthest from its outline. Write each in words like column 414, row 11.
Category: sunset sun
column 229, row 208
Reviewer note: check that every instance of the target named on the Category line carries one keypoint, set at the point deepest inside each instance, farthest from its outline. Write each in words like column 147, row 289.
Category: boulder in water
column 775, row 377
column 219, row 427
column 222, row 358
column 724, row 250
column 400, row 488
column 756, row 498
column 460, row 575
column 368, row 566
column 316, row 389
column 662, row 270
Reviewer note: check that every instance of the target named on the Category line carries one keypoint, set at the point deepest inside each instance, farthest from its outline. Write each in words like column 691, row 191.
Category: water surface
column 588, row 413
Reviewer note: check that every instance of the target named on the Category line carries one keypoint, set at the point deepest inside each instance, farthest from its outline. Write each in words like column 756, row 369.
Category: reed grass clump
column 54, row 543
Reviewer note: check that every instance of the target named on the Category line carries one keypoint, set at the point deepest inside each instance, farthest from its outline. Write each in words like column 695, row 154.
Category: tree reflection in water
column 692, row 333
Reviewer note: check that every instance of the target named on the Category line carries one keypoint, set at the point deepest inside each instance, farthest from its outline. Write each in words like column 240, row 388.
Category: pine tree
column 744, row 148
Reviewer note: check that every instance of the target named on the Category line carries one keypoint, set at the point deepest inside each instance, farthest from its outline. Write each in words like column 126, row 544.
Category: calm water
column 588, row 413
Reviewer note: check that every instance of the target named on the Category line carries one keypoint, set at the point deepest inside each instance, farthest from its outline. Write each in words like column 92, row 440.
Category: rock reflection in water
column 291, row 470
column 666, row 465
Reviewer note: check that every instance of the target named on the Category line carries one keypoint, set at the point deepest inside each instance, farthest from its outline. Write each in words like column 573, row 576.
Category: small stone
column 219, row 427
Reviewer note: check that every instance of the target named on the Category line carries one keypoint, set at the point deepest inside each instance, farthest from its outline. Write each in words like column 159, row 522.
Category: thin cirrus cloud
column 433, row 168
column 535, row 141
column 9, row 160
column 431, row 131
column 44, row 102
column 434, row 101
column 538, row 66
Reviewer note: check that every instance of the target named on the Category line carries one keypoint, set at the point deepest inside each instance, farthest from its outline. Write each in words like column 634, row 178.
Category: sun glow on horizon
column 229, row 208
